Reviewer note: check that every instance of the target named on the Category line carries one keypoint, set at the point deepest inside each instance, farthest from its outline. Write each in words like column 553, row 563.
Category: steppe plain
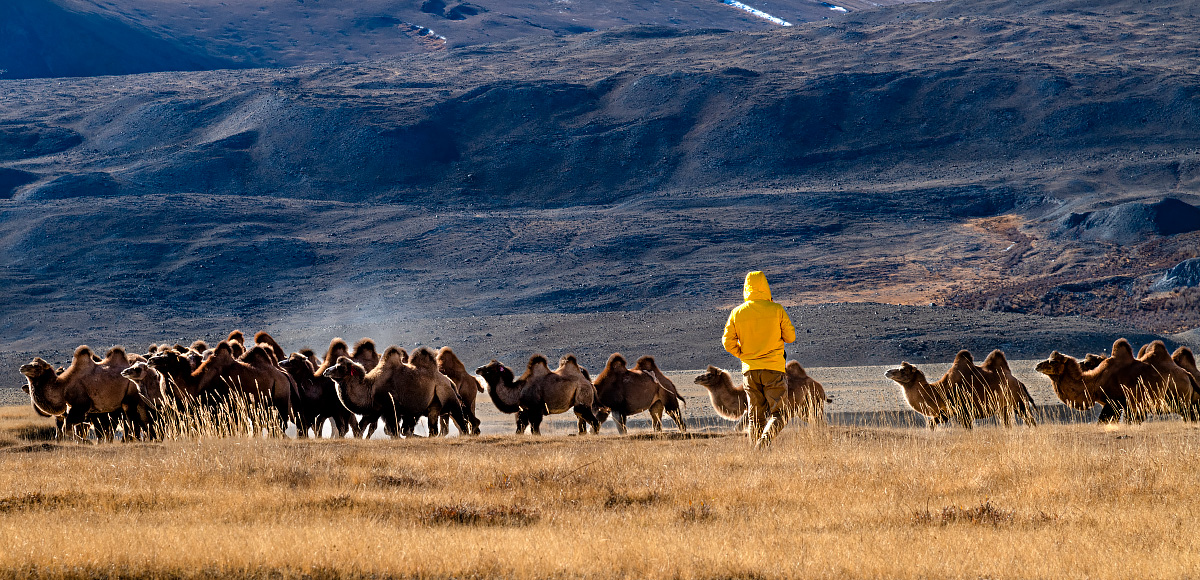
column 577, row 177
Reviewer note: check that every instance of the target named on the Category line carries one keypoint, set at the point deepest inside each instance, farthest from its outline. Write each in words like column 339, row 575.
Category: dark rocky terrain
column 1012, row 157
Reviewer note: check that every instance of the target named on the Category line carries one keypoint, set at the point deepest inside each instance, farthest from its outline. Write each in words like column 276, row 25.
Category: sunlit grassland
column 1055, row 501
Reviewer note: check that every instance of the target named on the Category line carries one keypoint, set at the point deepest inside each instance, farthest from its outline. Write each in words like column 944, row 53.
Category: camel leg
column 76, row 416
column 619, row 419
column 677, row 417
column 444, row 424
column 585, row 413
column 459, row 415
column 1108, row 413
column 656, row 412
column 474, row 421
column 522, row 422
column 368, row 424
column 535, row 422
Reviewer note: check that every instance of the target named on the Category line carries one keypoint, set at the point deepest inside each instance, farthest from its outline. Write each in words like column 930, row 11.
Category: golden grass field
column 1058, row 501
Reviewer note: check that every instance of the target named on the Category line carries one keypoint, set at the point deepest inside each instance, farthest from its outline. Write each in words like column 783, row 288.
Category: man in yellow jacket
column 755, row 333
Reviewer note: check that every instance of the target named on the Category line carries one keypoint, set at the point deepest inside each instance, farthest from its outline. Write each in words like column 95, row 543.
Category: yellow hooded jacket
column 757, row 330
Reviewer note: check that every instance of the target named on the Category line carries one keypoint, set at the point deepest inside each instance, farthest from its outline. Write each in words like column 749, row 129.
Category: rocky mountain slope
column 992, row 155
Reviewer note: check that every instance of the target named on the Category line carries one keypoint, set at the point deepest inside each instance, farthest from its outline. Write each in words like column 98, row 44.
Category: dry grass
column 1058, row 501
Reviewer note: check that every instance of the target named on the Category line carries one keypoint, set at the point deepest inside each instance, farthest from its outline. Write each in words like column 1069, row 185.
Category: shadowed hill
column 43, row 38
column 907, row 156
column 53, row 38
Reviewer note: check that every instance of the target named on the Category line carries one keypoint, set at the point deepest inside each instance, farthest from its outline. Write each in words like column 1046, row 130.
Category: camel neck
column 47, row 394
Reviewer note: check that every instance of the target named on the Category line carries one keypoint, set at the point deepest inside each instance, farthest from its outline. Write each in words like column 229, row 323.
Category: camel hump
column 1184, row 355
column 337, row 348
column 84, row 350
column 964, row 356
column 198, row 346
column 393, row 356
column 996, row 361
column 647, row 363
column 794, row 368
column 117, row 355
column 1122, row 351
column 261, row 337
column 446, row 356
column 1156, row 350
column 364, row 345
column 236, row 336
column 423, row 357
column 614, row 361
column 536, row 360
column 259, row 356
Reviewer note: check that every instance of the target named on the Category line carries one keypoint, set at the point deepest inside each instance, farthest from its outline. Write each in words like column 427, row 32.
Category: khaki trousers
column 766, row 390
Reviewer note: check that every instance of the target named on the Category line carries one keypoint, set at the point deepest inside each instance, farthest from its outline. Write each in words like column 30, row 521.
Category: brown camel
column 805, row 399
column 623, row 392
column 1184, row 358
column 468, row 387
column 86, row 387
column 1119, row 383
column 540, row 392
column 316, row 400
column 1178, row 384
column 255, row 374
column 177, row 368
column 261, row 337
column 365, row 354
column 967, row 391
column 672, row 400
column 397, row 391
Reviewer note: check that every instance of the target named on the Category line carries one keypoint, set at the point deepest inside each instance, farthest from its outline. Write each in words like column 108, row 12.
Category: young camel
column 624, row 392
column 805, row 399
column 468, row 386
column 540, row 392
column 967, row 391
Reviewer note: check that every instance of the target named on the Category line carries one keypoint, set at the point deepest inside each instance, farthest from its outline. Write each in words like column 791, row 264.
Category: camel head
column 138, row 371
column 714, row 378
column 1091, row 361
column 35, row 369
column 1055, row 366
column 495, row 373
column 297, row 365
column 345, row 368
column 906, row 375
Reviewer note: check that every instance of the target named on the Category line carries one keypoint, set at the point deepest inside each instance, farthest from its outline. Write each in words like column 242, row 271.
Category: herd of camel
column 355, row 388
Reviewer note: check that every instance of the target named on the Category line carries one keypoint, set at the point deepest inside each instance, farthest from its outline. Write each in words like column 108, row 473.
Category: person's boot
column 768, row 434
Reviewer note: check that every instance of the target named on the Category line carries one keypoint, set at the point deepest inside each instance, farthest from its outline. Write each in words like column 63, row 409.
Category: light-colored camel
column 1118, row 383
column 623, row 392
column 87, row 386
column 399, row 392
column 967, row 392
column 805, row 399
column 468, row 387
column 150, row 383
column 540, row 392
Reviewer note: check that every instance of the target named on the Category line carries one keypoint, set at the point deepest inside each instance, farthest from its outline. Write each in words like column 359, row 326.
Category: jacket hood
column 756, row 287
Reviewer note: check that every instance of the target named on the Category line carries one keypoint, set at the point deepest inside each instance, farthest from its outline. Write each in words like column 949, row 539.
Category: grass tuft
column 468, row 515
